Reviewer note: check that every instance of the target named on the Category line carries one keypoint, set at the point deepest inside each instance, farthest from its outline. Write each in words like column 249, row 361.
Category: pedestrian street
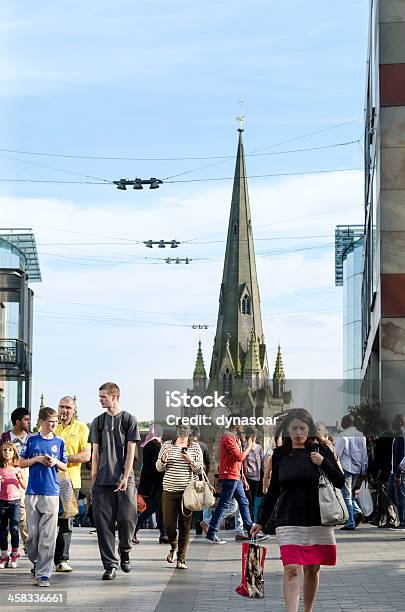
column 369, row 577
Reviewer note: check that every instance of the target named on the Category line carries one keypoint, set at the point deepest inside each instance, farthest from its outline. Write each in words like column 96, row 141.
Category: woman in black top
column 303, row 540
column 150, row 483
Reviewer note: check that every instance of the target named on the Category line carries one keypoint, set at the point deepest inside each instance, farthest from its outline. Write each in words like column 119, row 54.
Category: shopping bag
column 140, row 504
column 364, row 499
column 252, row 584
column 67, row 496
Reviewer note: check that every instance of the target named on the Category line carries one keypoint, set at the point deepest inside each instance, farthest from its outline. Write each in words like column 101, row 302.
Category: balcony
column 15, row 359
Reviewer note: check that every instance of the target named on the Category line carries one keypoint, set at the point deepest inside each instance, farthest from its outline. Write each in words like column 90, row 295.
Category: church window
column 227, row 382
column 246, row 305
column 230, row 384
column 235, row 228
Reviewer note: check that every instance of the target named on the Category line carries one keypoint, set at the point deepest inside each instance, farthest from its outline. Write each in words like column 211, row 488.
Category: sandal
column 181, row 564
column 170, row 556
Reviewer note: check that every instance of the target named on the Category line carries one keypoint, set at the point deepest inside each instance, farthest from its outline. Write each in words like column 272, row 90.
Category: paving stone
column 368, row 578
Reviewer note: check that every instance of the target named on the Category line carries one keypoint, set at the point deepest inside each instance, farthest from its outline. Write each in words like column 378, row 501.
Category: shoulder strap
column 100, row 426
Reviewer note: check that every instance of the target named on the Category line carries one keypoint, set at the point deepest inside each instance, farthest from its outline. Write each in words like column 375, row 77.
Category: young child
column 12, row 480
column 44, row 455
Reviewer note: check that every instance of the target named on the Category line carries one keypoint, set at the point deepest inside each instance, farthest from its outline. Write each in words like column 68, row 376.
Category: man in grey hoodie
column 351, row 449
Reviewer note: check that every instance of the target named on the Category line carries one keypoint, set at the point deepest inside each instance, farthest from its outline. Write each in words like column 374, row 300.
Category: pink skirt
column 307, row 545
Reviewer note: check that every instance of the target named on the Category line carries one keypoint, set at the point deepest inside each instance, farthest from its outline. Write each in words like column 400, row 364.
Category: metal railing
column 13, row 354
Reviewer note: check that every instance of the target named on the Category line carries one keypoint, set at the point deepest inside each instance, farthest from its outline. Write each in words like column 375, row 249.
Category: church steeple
column 278, row 376
column 199, row 375
column 239, row 302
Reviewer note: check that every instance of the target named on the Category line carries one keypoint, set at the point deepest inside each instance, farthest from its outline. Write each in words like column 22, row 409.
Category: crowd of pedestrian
column 272, row 490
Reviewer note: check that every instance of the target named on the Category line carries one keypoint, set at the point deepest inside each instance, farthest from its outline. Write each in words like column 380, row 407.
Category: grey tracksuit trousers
column 110, row 508
column 42, row 520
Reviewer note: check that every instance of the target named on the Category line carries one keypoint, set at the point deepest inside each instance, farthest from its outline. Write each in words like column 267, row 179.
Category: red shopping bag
column 140, row 504
column 252, row 584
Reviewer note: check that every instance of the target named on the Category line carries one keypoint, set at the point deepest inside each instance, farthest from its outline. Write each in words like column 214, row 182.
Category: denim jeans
column 230, row 489
column 397, row 495
column 347, row 492
column 233, row 510
column 9, row 520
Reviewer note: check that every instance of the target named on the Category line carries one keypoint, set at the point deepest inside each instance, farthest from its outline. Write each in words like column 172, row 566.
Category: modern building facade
column 349, row 265
column 18, row 266
column 383, row 288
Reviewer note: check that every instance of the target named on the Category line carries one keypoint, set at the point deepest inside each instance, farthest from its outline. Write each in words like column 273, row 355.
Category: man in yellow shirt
column 75, row 435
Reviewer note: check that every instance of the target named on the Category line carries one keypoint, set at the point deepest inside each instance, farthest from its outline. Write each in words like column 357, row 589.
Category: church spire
column 199, row 370
column 239, row 301
column 199, row 375
column 252, row 361
column 278, row 376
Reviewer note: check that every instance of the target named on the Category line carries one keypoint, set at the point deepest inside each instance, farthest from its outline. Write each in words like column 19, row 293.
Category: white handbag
column 331, row 503
column 198, row 495
column 402, row 465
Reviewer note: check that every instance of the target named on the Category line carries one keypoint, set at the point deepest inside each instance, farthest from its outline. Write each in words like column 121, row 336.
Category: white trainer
column 63, row 567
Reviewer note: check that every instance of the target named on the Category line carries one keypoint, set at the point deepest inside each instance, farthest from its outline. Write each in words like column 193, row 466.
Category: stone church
column 239, row 366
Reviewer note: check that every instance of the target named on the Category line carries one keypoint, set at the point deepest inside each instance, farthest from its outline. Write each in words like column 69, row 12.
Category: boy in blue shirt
column 44, row 454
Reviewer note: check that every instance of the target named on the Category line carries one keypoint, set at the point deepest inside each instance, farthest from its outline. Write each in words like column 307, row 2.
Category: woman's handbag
column 198, row 495
column 331, row 503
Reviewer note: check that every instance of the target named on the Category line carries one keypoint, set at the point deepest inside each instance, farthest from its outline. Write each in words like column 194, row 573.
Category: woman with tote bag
column 181, row 460
column 304, row 541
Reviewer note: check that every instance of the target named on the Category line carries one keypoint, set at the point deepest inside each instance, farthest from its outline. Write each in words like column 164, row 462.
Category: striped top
column 177, row 471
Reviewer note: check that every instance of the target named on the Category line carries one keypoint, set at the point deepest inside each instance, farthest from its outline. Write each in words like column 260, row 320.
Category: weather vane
column 241, row 117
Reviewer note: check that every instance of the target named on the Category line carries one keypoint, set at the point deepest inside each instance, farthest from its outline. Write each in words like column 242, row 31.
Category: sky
column 160, row 82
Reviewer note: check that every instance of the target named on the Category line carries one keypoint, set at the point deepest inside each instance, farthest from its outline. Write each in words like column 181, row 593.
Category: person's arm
column 53, row 462
column 364, row 457
column 206, row 458
column 271, row 497
column 164, row 456
column 83, row 455
column 232, row 448
column 329, row 465
column 27, row 461
column 339, row 446
column 197, row 463
column 261, row 456
column 95, row 461
column 129, row 464
column 267, row 473
column 24, row 463
column 22, row 479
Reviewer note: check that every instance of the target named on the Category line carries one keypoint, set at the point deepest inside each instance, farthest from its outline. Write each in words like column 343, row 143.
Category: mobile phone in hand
column 184, row 449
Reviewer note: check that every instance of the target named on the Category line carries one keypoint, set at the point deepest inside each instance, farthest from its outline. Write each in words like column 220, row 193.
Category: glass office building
column 18, row 266
column 349, row 264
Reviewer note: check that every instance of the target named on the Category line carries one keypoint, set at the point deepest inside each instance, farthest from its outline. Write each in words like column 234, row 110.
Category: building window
column 246, row 305
column 227, row 382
